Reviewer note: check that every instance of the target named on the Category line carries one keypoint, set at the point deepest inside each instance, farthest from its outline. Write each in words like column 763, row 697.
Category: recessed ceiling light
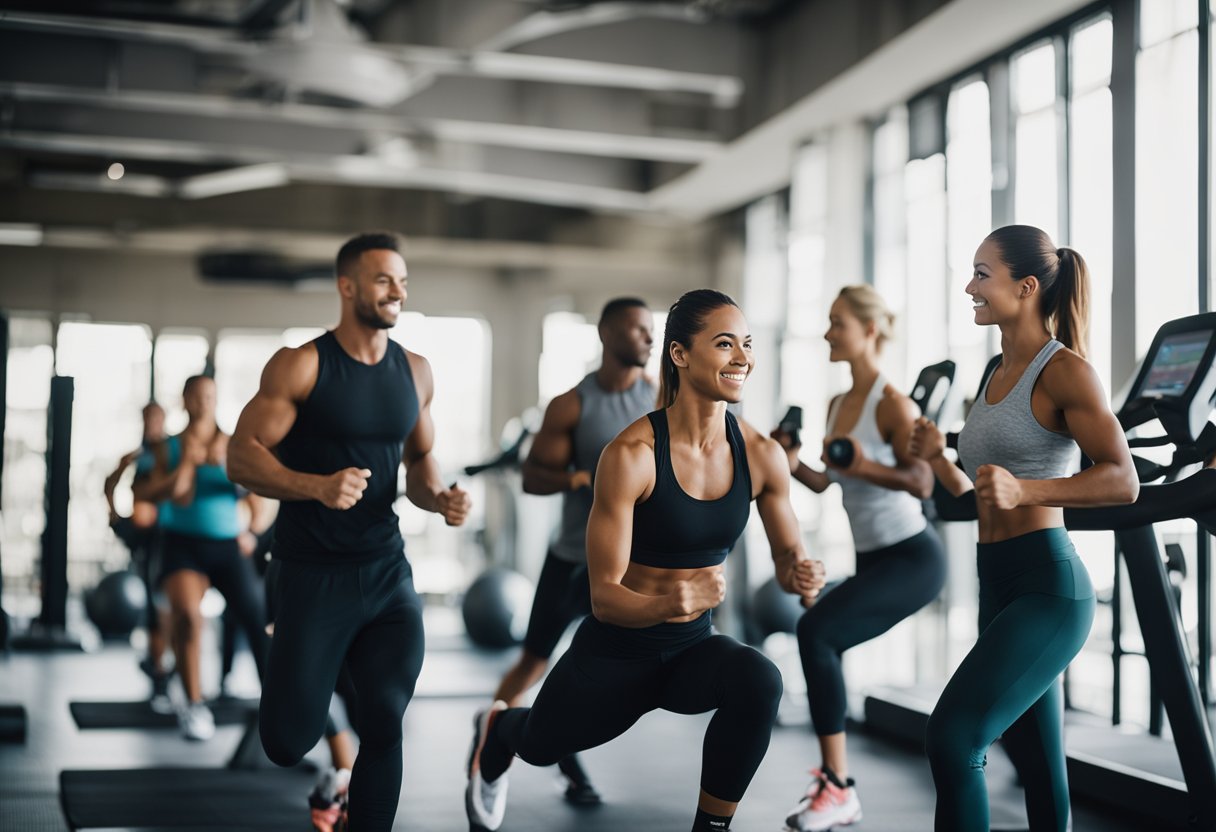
column 116, row 171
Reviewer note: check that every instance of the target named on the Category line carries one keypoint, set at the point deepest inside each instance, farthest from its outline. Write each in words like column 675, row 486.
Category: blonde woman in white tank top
column 900, row 561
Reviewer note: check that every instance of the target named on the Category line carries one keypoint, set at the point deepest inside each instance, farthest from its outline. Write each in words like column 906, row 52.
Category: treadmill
column 1176, row 387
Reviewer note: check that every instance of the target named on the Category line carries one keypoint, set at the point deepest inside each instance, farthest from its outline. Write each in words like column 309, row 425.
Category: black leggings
column 368, row 615
column 890, row 584
column 230, row 573
column 144, row 545
column 611, row 676
column 562, row 595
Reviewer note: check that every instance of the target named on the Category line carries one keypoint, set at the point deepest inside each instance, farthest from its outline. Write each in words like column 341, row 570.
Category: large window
column 1036, row 188
column 1090, row 220
column 890, row 157
column 925, row 188
column 458, row 350
column 969, row 209
column 1092, row 179
column 31, row 363
column 178, row 356
column 112, row 368
column 570, row 348
column 1167, row 149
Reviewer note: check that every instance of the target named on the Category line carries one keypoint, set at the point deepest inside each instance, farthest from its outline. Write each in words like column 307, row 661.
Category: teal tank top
column 212, row 513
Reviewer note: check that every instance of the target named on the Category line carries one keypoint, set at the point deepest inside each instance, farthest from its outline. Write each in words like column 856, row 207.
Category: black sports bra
column 672, row 530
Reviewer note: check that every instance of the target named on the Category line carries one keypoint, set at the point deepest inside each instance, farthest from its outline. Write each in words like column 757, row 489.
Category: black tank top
column 357, row 416
column 672, row 530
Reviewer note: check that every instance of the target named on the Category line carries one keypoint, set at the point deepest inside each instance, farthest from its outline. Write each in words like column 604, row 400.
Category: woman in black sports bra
column 672, row 494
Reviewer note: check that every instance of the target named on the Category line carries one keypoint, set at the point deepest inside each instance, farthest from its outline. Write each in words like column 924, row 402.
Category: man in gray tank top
column 577, row 426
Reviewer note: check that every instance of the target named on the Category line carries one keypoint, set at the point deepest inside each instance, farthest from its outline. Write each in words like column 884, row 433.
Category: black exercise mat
column 186, row 798
column 141, row 715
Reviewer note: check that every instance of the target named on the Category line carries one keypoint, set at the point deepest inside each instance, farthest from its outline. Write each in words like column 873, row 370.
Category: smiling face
column 996, row 296
column 720, row 358
column 847, row 336
column 376, row 289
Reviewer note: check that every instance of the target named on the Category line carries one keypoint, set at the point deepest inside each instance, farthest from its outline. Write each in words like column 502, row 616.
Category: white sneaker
column 196, row 721
column 831, row 806
column 485, row 803
column 161, row 704
column 812, row 789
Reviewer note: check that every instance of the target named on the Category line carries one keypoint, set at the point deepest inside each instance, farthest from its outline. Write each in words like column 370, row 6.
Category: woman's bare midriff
column 650, row 580
column 1002, row 524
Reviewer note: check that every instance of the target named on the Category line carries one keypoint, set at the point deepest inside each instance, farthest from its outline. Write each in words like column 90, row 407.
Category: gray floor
column 649, row 776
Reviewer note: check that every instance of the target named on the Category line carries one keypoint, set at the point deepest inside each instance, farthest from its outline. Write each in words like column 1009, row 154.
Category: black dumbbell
column 840, row 452
column 791, row 423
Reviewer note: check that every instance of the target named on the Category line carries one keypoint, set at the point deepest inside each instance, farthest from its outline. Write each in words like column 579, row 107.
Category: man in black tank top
column 325, row 434
column 576, row 427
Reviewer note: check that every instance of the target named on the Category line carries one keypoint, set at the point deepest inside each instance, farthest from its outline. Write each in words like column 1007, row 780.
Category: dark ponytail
column 1070, row 312
column 685, row 319
column 1063, row 280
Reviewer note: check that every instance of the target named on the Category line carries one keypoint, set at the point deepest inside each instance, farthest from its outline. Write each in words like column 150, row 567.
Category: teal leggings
column 1036, row 607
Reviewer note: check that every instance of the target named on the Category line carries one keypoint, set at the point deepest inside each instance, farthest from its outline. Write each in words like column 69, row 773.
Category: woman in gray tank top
column 901, row 565
column 1036, row 601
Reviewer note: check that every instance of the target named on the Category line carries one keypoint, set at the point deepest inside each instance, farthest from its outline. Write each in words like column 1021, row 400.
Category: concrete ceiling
column 491, row 119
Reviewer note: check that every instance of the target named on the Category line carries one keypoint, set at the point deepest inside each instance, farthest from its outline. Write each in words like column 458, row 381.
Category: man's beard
column 366, row 313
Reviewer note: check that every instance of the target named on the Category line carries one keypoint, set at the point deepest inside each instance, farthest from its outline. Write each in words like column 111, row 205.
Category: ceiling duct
column 330, row 56
column 258, row 267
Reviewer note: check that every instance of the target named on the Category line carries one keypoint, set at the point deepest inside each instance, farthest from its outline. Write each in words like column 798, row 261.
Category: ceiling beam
column 363, row 171
column 525, row 136
column 723, row 90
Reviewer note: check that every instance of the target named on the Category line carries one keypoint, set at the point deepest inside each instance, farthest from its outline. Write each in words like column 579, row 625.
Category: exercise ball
column 496, row 608
column 116, row 605
column 774, row 609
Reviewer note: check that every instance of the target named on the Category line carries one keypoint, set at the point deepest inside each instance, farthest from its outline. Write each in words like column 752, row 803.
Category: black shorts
column 563, row 594
column 198, row 554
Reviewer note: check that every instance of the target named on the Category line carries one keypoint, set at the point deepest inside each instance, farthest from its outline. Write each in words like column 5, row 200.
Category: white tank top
column 879, row 517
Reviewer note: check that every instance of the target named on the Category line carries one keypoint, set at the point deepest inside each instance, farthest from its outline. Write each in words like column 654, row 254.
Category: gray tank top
column 602, row 415
column 879, row 517
column 1008, row 435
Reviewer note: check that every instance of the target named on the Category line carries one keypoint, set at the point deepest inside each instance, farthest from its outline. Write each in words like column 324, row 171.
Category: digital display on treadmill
column 1175, row 363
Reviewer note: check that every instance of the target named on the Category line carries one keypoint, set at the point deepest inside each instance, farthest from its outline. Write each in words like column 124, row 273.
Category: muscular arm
column 112, row 480
column 423, row 479
column 626, row 471
column 547, row 468
column 796, row 573
column 817, row 481
column 266, row 420
column 1073, row 386
column 928, row 443
column 424, row 486
column 896, row 415
column 165, row 483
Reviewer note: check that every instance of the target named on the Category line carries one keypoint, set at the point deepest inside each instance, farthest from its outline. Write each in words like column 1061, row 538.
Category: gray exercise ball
column 496, row 607
column 117, row 604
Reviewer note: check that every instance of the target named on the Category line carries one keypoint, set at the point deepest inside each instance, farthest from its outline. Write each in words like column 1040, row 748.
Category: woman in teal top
column 201, row 524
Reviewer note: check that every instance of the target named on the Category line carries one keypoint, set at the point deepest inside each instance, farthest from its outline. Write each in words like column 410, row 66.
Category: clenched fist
column 807, row 578
column 454, row 505
column 926, row 442
column 703, row 591
column 997, row 487
column 342, row 489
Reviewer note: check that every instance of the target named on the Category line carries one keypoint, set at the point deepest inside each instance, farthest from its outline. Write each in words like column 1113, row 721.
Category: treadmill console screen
column 1175, row 364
